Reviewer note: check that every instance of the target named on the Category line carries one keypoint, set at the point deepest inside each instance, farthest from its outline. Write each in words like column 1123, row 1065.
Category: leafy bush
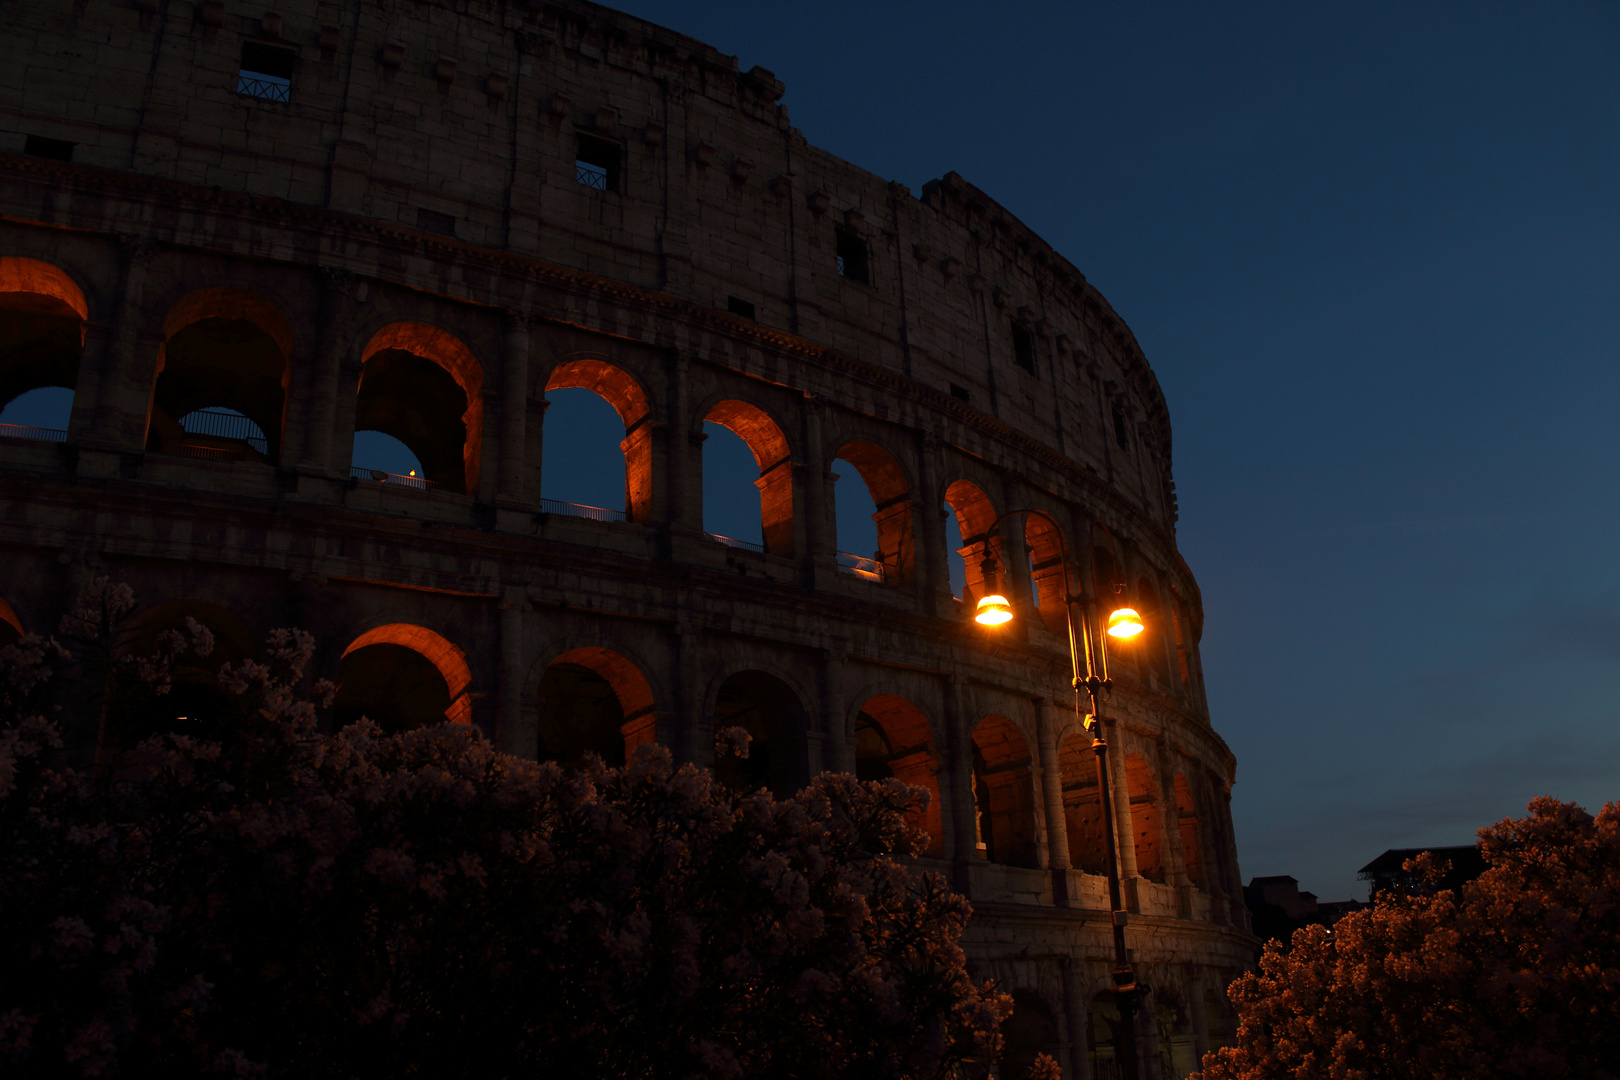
column 287, row 902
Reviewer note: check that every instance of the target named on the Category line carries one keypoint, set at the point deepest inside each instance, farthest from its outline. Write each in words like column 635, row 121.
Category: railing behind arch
column 860, row 566
column 594, row 513
column 40, row 434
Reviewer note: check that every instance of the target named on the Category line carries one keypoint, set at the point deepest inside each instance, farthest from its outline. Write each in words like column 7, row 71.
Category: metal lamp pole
column 1088, row 660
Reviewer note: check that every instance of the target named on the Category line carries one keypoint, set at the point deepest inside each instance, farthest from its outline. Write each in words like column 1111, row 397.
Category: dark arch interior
column 1030, row 1030
column 195, row 704
column 396, row 687
column 872, row 750
column 420, row 404
column 40, row 343
column 580, row 713
column 763, row 706
column 221, row 364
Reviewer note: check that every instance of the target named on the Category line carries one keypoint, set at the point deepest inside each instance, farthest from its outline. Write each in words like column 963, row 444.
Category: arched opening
column 42, row 326
column 1181, row 627
column 1219, row 1022
column 766, row 708
column 1104, row 1033
column 423, row 387
column 402, row 676
column 1142, row 785
column 1003, row 793
column 1045, row 546
column 874, row 516
column 221, row 389
column 1192, row 852
column 1177, row 1056
column 769, row 449
column 195, row 704
column 974, row 516
column 1029, row 1031
column 11, row 627
column 892, row 738
column 587, row 465
column 1082, row 806
column 592, row 700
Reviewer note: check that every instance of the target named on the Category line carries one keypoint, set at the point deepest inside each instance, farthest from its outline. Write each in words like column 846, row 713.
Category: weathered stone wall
column 188, row 210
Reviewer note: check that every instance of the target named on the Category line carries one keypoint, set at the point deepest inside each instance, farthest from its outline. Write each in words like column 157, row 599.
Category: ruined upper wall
column 467, row 119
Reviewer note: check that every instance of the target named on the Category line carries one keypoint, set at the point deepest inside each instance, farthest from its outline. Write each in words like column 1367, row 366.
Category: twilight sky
column 1373, row 253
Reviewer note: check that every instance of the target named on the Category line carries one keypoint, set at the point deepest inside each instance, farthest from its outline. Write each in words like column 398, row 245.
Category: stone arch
column 893, row 738
column 225, row 351
column 424, row 387
column 754, row 426
column 1031, row 1029
column 620, row 389
column 195, row 704
column 1105, row 1031
column 11, row 627
column 975, row 518
column 400, row 688
column 1142, row 783
column 592, row 698
column 1046, row 548
column 771, row 710
column 1082, row 803
column 886, row 481
column 43, row 315
column 1003, row 793
column 1192, row 851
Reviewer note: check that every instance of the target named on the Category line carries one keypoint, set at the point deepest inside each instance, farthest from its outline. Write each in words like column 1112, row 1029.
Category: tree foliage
column 282, row 901
column 1515, row 974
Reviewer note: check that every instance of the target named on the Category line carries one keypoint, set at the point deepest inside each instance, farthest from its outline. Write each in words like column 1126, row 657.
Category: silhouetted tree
column 278, row 901
column 1515, row 974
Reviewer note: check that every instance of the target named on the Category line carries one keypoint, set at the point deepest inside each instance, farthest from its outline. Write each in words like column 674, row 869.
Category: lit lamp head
column 1125, row 623
column 994, row 610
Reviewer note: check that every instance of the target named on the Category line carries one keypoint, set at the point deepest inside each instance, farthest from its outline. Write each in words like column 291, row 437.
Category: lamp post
column 1088, row 660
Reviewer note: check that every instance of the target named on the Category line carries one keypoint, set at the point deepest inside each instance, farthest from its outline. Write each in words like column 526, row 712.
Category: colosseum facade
column 419, row 218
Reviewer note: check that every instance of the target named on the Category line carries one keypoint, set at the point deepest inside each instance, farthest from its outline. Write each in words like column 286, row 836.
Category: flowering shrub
column 280, row 901
column 1516, row 974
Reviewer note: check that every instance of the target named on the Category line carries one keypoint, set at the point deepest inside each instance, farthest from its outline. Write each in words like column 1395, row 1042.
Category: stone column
column 1057, row 828
column 510, row 473
column 320, row 405
column 933, row 577
column 1077, row 1003
column 959, row 781
column 127, row 374
column 1197, row 1016
column 694, row 737
column 820, row 535
column 513, row 734
column 683, row 477
column 836, row 752
column 1125, row 832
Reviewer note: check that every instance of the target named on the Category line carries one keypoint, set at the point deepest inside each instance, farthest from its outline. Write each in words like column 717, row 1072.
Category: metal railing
column 591, row 176
column 594, row 513
column 40, row 434
column 264, row 87
column 225, row 425
column 733, row 542
column 360, row 473
column 860, row 566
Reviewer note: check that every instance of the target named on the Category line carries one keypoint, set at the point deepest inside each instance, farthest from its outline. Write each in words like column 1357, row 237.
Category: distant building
column 1388, row 873
column 1277, row 907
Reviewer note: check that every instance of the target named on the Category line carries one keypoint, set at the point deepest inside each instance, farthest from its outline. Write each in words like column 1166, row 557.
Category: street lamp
column 1088, row 660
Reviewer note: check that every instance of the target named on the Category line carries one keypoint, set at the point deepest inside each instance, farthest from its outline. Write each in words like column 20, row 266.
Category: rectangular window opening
column 738, row 306
column 1122, row 434
column 960, row 393
column 596, row 163
column 57, row 149
column 433, row 221
column 852, row 257
column 1023, row 348
column 266, row 72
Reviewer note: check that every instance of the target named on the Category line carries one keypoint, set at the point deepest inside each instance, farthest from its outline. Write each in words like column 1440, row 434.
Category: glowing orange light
column 994, row 610
column 1125, row 623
